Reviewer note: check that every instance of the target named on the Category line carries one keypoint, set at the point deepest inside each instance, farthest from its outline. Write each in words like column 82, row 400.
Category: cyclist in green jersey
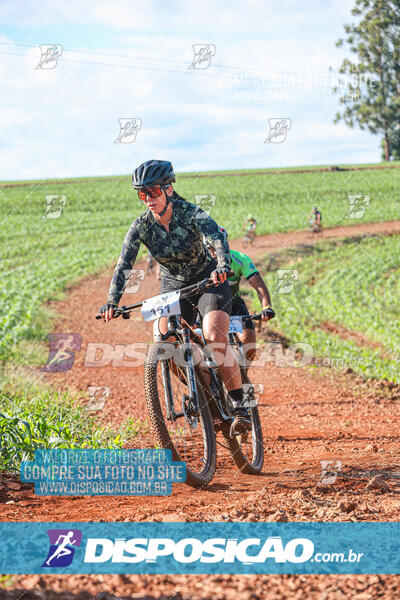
column 173, row 230
column 243, row 267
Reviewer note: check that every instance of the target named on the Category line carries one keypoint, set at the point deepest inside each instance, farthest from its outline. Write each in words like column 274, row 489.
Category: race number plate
column 163, row 305
column 235, row 325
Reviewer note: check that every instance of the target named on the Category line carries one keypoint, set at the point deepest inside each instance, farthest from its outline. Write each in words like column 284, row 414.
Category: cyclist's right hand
column 107, row 311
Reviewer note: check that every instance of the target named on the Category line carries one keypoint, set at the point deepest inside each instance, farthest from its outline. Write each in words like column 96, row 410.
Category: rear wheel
column 247, row 450
column 190, row 437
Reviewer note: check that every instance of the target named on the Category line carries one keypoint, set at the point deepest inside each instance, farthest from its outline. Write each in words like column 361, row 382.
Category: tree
column 372, row 100
column 394, row 142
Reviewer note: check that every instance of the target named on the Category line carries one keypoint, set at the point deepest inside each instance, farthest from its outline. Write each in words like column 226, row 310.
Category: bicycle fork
column 190, row 403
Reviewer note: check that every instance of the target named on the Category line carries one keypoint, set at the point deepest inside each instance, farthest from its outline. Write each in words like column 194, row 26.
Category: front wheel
column 190, row 437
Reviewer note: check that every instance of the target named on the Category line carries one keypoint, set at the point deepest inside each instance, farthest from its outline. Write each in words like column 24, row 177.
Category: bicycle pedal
column 237, row 434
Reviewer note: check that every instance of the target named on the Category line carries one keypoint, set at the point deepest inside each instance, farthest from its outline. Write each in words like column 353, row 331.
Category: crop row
column 41, row 255
column 344, row 301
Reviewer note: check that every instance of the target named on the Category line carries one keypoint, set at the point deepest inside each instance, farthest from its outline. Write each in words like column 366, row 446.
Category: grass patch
column 33, row 417
column 354, row 285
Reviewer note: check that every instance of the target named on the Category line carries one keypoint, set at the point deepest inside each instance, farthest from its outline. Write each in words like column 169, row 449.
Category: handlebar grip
column 117, row 313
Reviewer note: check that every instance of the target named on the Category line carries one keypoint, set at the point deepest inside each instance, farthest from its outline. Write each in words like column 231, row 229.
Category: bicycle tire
column 253, row 466
column 162, row 435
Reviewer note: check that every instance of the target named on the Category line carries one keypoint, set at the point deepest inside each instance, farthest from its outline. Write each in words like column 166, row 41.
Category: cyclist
column 242, row 266
column 172, row 230
column 251, row 224
column 315, row 219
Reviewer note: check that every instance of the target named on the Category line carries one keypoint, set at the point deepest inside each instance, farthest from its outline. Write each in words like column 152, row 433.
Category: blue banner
column 195, row 548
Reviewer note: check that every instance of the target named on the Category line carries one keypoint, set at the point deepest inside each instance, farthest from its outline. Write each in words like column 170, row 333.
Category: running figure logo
column 133, row 278
column 203, row 53
column 98, row 395
column 50, row 54
column 206, row 203
column 54, row 205
column 329, row 471
column 278, row 129
column 62, row 351
column 286, row 280
column 61, row 551
column 128, row 129
column 357, row 206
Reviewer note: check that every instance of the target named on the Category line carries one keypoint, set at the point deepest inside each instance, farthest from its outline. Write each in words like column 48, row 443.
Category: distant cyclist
column 250, row 224
column 173, row 230
column 315, row 220
column 243, row 267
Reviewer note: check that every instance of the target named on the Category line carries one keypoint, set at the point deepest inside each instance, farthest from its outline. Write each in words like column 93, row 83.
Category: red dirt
column 308, row 415
column 355, row 336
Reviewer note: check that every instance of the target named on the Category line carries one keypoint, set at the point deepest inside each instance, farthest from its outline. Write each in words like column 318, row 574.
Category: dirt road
column 308, row 415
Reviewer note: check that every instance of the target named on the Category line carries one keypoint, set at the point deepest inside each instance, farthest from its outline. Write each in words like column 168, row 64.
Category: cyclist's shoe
column 241, row 422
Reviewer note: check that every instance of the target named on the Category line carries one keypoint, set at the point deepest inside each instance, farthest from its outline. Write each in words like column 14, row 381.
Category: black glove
column 268, row 313
column 220, row 270
column 106, row 307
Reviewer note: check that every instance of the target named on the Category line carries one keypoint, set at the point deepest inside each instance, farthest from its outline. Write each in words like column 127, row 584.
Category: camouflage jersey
column 180, row 251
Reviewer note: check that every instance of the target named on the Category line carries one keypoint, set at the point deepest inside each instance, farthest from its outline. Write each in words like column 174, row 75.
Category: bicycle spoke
column 188, row 441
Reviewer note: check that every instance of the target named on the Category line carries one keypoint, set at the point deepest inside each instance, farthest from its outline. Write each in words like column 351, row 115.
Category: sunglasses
column 154, row 191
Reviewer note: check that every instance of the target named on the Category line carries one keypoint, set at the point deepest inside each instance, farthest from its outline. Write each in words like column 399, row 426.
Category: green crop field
column 352, row 285
column 345, row 303
column 41, row 255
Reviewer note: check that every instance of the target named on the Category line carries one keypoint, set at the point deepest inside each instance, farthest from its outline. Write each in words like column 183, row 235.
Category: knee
column 250, row 354
column 159, row 327
column 216, row 336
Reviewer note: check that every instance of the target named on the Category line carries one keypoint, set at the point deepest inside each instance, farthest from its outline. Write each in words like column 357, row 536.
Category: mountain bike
column 249, row 238
column 185, row 395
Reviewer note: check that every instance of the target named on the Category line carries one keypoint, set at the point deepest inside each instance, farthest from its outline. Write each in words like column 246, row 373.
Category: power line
column 169, row 60
column 272, row 86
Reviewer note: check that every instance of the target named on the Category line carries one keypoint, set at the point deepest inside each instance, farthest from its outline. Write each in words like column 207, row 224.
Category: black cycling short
column 239, row 308
column 218, row 297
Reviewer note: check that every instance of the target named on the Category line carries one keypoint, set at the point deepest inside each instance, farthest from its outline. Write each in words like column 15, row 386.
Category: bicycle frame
column 187, row 336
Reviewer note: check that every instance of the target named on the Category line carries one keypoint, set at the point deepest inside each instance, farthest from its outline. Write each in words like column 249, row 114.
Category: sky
column 267, row 61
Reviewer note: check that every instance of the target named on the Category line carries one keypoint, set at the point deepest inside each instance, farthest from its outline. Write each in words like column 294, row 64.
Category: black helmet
column 153, row 172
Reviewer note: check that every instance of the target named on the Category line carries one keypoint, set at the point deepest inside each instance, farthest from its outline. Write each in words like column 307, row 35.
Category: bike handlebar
column 187, row 291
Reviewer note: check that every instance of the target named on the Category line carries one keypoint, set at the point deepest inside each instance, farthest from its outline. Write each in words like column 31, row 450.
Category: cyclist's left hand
column 220, row 275
column 267, row 313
